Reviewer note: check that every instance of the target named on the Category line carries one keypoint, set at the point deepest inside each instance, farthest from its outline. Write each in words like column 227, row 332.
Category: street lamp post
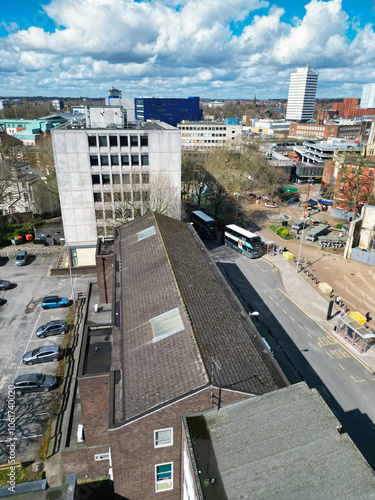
column 236, row 194
column 70, row 269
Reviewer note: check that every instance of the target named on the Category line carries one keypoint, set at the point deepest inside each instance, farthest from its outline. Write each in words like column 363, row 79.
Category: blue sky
column 211, row 48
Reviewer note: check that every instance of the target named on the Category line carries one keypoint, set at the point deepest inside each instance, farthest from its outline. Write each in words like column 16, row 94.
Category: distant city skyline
column 224, row 49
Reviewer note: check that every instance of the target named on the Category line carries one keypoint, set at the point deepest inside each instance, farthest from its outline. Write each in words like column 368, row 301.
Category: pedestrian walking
column 368, row 317
column 338, row 300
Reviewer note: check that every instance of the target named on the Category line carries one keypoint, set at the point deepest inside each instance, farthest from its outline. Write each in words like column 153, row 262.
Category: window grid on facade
column 164, row 477
column 163, row 437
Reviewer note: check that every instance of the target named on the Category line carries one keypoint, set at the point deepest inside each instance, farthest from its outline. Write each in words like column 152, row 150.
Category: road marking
column 285, row 311
column 37, row 321
column 357, row 380
column 270, row 297
column 341, row 366
column 324, row 341
column 277, row 304
column 329, row 355
column 322, row 327
column 291, row 318
column 309, row 336
column 301, row 327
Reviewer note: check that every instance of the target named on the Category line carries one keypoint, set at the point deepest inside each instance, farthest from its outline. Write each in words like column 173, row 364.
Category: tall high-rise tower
column 368, row 96
column 301, row 97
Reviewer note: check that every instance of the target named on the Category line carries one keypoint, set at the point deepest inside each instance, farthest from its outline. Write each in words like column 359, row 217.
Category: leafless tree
column 356, row 183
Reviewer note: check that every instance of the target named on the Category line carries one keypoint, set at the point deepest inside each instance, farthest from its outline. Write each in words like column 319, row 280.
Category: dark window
column 133, row 140
column 114, row 160
column 104, row 160
column 135, row 160
column 103, row 141
column 108, row 214
column 99, row 214
column 106, row 179
column 127, row 196
column 92, row 141
column 117, row 196
column 146, row 195
column 370, row 173
column 144, row 160
column 145, row 178
column 94, row 161
column 128, row 213
column 137, row 212
column 113, row 140
column 97, row 196
column 107, row 197
column 144, row 140
column 123, row 140
column 95, row 178
column 137, row 195
column 135, row 178
column 115, row 178
column 126, row 178
column 125, row 160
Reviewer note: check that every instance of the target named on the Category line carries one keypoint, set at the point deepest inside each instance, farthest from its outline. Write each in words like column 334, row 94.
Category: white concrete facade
column 109, row 176
column 206, row 135
column 302, row 92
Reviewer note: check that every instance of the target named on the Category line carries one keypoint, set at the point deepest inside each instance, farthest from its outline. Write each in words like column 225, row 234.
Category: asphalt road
column 20, row 316
column 303, row 349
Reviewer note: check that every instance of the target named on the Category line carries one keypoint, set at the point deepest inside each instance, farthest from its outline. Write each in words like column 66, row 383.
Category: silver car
column 43, row 354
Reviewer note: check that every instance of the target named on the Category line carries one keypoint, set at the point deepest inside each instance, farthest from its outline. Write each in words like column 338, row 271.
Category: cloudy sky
column 179, row 48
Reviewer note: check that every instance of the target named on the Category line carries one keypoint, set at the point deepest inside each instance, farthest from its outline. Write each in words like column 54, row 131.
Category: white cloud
column 183, row 46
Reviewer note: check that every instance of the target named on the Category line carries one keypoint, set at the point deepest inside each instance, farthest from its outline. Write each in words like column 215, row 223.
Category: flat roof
column 283, row 445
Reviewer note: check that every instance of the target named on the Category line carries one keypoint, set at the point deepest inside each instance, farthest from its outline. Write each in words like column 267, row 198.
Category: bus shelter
column 269, row 245
column 357, row 334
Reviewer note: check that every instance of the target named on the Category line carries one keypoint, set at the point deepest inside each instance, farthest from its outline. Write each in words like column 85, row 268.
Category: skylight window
column 166, row 324
column 146, row 233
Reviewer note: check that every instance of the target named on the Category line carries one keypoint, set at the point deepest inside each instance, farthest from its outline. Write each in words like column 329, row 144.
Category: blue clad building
column 168, row 110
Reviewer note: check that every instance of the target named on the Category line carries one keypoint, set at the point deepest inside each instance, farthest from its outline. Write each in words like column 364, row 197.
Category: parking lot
column 20, row 316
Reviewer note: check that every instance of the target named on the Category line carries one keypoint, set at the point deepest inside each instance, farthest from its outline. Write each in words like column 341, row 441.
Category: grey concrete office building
column 108, row 176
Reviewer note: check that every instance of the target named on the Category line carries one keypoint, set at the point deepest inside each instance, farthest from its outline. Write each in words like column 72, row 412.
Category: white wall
column 74, row 174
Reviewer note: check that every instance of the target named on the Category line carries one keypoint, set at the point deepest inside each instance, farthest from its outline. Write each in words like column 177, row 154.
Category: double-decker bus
column 250, row 244
column 203, row 224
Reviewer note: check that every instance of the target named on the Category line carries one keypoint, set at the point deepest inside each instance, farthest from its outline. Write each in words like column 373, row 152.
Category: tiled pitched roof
column 165, row 271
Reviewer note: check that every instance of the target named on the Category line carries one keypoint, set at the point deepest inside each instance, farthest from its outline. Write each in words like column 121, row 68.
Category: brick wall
column 94, row 395
column 132, row 446
column 105, row 271
column 134, row 456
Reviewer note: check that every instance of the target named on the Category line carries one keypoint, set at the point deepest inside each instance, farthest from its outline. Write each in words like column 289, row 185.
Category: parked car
column 21, row 258
column 271, row 205
column 52, row 328
column 34, row 382
column 43, row 354
column 5, row 285
column 54, row 301
column 295, row 199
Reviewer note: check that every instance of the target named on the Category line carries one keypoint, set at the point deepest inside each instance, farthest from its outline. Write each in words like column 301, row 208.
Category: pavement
column 306, row 296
